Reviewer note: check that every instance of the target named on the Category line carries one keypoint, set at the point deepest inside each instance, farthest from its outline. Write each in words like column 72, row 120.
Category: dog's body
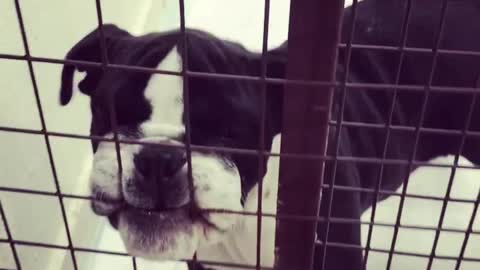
column 226, row 113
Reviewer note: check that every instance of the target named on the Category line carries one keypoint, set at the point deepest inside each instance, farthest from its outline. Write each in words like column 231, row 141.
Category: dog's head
column 157, row 212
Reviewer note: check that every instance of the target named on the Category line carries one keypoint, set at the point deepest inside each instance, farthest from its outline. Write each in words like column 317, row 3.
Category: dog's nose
column 159, row 182
column 159, row 163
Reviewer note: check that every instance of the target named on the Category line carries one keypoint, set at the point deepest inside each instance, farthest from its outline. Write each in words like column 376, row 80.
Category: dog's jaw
column 159, row 236
column 216, row 182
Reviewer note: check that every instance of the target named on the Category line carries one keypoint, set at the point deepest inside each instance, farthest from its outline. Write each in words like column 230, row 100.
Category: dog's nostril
column 174, row 165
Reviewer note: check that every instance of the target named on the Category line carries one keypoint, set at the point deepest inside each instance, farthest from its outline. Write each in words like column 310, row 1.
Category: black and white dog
column 150, row 203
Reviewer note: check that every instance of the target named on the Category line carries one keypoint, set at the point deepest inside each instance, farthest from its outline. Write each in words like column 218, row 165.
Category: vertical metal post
column 314, row 34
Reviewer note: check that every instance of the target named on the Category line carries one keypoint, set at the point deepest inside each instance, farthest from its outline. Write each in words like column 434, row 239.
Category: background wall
column 53, row 26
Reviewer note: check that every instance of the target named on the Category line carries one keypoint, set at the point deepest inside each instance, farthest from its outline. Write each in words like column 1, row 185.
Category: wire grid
column 263, row 80
column 404, row 34
column 417, row 134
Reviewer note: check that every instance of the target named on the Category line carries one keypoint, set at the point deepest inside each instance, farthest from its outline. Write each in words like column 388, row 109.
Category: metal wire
column 419, row 124
column 116, row 253
column 336, row 220
column 44, row 129
column 334, row 244
column 423, row 130
column 186, row 115
column 275, row 81
column 134, row 263
column 10, row 238
column 404, row 35
column 219, row 149
column 451, row 179
column 290, row 217
column 351, row 246
column 468, row 232
column 261, row 134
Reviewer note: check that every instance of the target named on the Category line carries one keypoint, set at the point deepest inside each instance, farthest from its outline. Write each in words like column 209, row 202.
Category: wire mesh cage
column 322, row 45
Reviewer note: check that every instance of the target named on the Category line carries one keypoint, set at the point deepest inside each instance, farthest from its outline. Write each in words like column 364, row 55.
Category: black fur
column 227, row 112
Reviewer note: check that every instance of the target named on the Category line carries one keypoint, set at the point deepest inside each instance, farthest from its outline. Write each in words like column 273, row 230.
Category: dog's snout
column 159, row 181
column 156, row 163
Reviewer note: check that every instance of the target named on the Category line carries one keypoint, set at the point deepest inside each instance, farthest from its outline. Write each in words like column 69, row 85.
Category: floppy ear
column 88, row 49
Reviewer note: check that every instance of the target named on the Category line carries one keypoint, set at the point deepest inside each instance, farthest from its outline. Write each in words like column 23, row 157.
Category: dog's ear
column 88, row 49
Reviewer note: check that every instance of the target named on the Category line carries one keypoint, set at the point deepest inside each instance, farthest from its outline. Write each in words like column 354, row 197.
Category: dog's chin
column 168, row 235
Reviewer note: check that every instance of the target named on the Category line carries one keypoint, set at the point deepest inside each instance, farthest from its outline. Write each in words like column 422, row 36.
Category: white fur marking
column 158, row 246
column 165, row 94
column 105, row 166
column 239, row 245
column 216, row 188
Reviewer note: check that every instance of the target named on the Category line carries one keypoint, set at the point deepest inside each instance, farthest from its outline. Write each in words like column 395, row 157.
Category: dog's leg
column 197, row 266
column 345, row 204
column 471, row 150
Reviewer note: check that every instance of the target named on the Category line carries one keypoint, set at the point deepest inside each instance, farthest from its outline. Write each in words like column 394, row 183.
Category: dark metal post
column 314, row 34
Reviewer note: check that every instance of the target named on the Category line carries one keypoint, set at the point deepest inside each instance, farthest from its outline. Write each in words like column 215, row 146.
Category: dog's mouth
column 188, row 210
column 113, row 218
